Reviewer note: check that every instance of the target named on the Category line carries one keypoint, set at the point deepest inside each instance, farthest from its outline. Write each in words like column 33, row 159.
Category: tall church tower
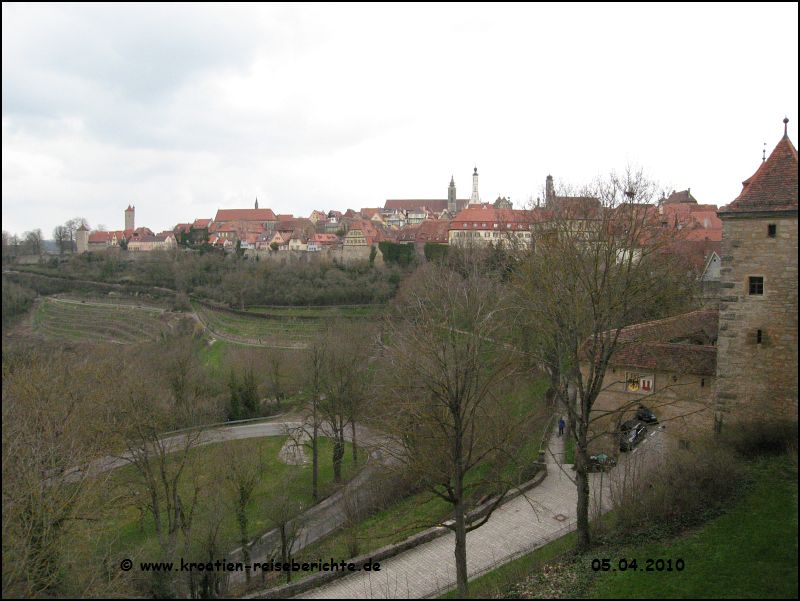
column 757, row 344
column 129, row 220
column 256, row 202
column 475, row 199
column 451, row 198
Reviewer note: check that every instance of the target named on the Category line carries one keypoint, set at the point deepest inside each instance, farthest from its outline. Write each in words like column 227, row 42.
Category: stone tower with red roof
column 757, row 345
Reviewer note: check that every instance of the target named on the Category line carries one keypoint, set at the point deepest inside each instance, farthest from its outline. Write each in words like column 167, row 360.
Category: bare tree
column 283, row 509
column 449, row 373
column 33, row 242
column 345, row 371
column 61, row 237
column 315, row 363
column 50, row 498
column 599, row 264
column 242, row 477
column 165, row 474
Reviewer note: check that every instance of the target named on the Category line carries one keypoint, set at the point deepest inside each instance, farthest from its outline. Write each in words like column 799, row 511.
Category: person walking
column 561, row 425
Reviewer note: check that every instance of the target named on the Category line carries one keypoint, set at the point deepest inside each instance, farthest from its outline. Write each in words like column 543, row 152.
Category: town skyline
column 284, row 105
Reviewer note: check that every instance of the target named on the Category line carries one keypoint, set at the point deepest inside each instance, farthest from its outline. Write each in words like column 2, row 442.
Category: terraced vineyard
column 284, row 332
column 347, row 311
column 77, row 321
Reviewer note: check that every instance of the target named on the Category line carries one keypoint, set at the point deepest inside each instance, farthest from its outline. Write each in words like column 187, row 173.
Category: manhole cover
column 560, row 517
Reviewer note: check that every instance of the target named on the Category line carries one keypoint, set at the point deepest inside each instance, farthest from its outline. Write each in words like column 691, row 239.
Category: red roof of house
column 773, row 187
column 683, row 344
column 490, row 215
column 245, row 215
column 325, row 238
column 426, row 231
column 285, row 217
column 369, row 213
column 100, row 236
column 682, row 197
column 182, row 227
column 201, row 223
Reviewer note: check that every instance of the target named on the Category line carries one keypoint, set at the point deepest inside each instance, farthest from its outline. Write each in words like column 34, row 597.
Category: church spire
column 451, row 198
column 475, row 199
column 256, row 201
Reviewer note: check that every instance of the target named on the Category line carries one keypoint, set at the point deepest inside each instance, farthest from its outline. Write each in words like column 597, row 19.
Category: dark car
column 601, row 463
column 631, row 435
column 645, row 415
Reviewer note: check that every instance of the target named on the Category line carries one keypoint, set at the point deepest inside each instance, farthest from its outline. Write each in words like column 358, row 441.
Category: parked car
column 645, row 415
column 631, row 435
column 601, row 463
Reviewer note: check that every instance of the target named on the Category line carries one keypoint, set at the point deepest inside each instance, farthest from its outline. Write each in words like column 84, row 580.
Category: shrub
column 685, row 484
column 762, row 437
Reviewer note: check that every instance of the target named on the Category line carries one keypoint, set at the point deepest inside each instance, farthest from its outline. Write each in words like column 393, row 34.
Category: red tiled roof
column 245, row 215
column 773, row 187
column 675, row 344
column 325, row 238
column 201, row 223
column 695, row 359
column 369, row 213
column 670, row 329
column 285, row 217
column 684, row 196
column 490, row 215
column 100, row 236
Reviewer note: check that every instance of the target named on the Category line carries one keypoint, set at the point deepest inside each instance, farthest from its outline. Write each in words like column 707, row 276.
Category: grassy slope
column 750, row 552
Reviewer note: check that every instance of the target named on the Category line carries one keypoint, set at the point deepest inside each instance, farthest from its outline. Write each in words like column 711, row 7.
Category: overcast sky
column 181, row 110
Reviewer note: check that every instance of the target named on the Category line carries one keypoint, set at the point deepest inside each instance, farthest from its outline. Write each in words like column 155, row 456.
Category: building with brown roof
column 483, row 224
column 669, row 365
column 260, row 216
column 757, row 365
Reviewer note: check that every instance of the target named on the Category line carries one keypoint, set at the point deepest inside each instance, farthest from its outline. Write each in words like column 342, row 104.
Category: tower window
column 772, row 230
column 756, row 285
column 702, row 382
column 759, row 337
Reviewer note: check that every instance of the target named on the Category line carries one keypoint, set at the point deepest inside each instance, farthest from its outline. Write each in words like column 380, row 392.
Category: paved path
column 545, row 513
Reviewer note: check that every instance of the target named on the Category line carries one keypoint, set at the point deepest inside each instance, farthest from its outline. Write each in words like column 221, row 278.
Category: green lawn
column 209, row 466
column 750, row 551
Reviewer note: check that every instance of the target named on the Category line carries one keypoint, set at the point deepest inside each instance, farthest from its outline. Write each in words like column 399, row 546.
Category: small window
column 759, row 336
column 702, row 382
column 772, row 230
column 756, row 285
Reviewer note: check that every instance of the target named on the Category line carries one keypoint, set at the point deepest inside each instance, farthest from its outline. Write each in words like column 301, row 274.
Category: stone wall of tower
column 129, row 220
column 755, row 379
column 82, row 240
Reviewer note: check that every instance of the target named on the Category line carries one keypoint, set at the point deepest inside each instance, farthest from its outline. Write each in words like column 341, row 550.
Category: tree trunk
column 315, row 461
column 461, row 551
column 338, row 455
column 355, row 444
column 582, row 482
column 242, row 519
column 285, row 550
